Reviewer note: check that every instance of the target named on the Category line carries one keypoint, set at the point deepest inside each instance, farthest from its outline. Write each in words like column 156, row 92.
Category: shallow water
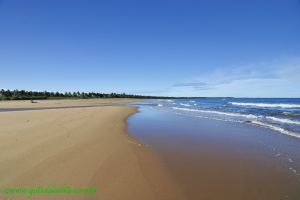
column 279, row 114
column 214, row 159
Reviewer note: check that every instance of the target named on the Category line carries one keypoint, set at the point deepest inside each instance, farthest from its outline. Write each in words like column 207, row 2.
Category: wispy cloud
column 277, row 78
column 152, row 92
column 194, row 85
column 288, row 69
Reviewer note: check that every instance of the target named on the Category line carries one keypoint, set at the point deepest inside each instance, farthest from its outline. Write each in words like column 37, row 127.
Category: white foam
column 291, row 114
column 250, row 116
column 210, row 118
column 218, row 119
column 267, row 105
column 184, row 104
column 293, row 170
column 254, row 122
column 276, row 128
column 169, row 100
column 159, row 105
column 288, row 121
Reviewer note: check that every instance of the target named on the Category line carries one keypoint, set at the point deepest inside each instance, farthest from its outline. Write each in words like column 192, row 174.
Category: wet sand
column 79, row 147
column 218, row 160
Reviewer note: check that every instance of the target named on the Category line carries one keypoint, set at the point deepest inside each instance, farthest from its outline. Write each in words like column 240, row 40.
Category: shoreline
column 213, row 159
column 80, row 147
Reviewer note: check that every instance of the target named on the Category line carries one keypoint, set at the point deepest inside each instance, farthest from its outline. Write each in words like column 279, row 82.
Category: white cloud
column 279, row 78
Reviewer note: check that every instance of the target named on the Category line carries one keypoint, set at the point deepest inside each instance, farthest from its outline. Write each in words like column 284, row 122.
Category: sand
column 79, row 147
column 63, row 103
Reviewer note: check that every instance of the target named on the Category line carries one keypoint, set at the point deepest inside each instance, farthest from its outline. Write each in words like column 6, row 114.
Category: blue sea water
column 279, row 114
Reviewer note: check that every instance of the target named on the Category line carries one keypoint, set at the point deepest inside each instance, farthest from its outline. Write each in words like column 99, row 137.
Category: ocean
column 279, row 114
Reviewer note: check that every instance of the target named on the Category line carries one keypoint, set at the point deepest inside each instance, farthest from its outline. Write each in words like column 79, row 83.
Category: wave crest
column 276, row 128
column 282, row 120
column 266, row 105
column 184, row 104
column 250, row 116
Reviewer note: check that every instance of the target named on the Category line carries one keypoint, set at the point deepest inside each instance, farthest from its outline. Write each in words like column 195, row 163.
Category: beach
column 150, row 100
column 79, row 147
column 134, row 149
column 62, row 103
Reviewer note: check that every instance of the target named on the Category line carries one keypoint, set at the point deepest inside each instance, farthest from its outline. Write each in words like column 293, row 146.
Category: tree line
column 35, row 95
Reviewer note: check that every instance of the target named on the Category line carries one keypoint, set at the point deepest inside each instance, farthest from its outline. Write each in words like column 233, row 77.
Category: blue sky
column 240, row 48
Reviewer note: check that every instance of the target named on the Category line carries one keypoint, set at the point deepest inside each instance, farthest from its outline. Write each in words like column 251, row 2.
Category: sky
column 237, row 48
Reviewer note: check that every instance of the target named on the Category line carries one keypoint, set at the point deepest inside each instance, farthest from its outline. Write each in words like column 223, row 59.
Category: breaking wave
column 266, row 105
column 249, row 116
column 276, row 128
column 282, row 120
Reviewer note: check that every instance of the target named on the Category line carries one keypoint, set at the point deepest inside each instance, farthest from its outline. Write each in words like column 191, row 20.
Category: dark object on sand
column 32, row 101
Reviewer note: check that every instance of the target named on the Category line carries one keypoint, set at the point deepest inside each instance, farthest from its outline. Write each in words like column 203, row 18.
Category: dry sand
column 79, row 147
column 62, row 103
